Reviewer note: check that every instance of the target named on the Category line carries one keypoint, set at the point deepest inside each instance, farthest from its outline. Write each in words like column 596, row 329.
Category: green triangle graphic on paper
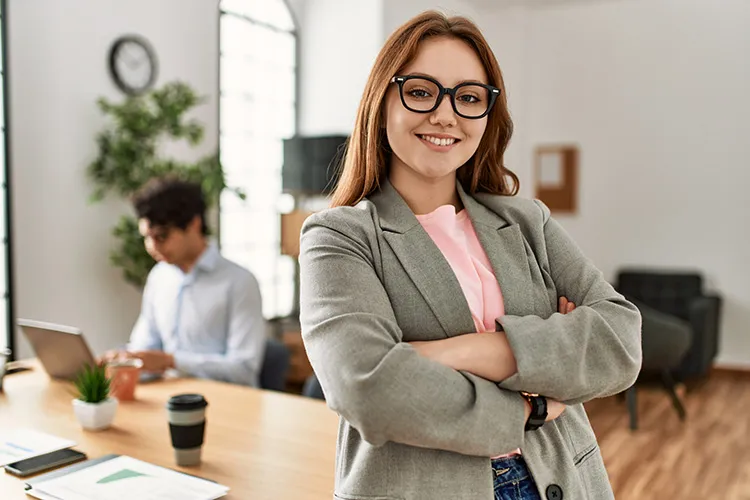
column 120, row 475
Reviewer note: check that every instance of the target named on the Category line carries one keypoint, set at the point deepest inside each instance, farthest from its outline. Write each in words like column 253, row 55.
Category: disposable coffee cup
column 187, row 426
column 124, row 376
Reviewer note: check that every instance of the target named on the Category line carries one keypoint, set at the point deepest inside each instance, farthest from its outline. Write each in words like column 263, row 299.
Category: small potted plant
column 94, row 408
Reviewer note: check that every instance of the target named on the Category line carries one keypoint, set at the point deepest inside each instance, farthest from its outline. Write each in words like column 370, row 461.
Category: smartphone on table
column 45, row 462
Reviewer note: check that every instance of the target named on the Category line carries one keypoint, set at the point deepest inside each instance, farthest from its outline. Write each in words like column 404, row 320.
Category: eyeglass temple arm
column 396, row 79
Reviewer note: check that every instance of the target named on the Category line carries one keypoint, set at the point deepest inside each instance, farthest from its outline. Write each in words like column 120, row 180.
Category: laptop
column 62, row 350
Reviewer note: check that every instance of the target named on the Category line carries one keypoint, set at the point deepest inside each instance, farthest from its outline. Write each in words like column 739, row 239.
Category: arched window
column 258, row 72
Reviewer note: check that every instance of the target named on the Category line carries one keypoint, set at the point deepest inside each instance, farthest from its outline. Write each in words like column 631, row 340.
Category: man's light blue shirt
column 210, row 319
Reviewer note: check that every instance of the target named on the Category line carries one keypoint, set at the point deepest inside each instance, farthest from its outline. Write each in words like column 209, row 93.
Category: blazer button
column 554, row 492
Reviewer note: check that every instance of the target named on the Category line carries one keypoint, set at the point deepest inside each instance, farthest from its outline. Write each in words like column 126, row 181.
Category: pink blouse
column 454, row 235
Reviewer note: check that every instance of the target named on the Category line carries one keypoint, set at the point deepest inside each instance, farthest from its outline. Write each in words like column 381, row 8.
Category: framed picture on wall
column 556, row 177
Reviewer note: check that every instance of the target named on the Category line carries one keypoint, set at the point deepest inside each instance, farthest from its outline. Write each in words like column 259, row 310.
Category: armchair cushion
column 666, row 338
column 681, row 296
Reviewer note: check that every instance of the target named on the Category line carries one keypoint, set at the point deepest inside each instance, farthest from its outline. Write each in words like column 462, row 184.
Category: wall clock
column 132, row 64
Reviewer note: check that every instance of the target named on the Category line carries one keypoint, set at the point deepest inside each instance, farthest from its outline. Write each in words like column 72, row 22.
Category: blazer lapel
column 423, row 261
column 505, row 248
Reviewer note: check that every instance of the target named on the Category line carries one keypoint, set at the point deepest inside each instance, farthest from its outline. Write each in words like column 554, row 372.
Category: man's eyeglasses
column 422, row 94
column 158, row 234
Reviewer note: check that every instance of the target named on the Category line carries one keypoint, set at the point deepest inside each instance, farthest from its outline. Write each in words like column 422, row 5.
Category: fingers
column 110, row 356
column 564, row 306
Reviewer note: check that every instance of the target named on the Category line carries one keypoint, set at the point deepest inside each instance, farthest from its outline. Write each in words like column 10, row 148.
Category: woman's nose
column 444, row 114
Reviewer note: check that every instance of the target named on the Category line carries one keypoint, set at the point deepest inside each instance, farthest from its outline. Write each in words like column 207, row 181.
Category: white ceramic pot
column 95, row 416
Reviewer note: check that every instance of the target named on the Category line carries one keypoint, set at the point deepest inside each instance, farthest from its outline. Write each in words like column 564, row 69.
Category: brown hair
column 367, row 152
column 170, row 202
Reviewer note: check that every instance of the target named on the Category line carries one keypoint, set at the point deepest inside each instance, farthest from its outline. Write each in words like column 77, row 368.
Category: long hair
column 368, row 153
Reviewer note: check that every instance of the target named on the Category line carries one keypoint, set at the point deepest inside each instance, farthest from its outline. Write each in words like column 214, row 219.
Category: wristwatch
column 538, row 411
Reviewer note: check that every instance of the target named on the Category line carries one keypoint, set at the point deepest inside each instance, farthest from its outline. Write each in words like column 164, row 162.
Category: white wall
column 397, row 12
column 57, row 56
column 655, row 94
column 506, row 31
column 339, row 41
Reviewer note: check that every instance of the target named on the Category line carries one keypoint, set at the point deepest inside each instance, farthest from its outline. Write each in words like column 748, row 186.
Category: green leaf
column 92, row 384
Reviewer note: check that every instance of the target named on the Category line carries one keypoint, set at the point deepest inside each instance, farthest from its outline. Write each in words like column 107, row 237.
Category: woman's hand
column 554, row 409
column 564, row 306
column 487, row 355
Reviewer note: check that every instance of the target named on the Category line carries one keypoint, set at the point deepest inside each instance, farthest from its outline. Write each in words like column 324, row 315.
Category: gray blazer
column 410, row 428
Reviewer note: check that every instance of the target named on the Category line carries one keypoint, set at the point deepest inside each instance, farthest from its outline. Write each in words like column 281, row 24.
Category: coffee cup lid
column 186, row 402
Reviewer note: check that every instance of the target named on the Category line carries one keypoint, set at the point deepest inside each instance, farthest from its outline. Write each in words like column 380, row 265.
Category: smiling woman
column 429, row 295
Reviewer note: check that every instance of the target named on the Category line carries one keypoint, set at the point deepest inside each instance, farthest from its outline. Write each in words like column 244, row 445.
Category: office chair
column 312, row 388
column 275, row 366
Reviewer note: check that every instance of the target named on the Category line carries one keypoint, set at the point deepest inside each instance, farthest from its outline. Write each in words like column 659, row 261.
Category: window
column 6, row 309
column 257, row 107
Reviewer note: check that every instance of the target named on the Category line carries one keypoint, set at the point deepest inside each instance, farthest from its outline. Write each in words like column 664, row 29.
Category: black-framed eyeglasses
column 422, row 94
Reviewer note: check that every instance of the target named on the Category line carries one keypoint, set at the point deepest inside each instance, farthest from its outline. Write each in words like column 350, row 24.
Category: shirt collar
column 209, row 258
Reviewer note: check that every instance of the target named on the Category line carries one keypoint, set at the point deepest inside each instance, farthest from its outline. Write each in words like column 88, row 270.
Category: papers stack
column 116, row 477
column 20, row 444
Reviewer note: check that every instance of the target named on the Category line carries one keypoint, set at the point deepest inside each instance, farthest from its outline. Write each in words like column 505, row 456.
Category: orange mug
column 124, row 375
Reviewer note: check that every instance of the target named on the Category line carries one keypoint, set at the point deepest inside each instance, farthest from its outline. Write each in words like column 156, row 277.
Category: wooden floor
column 705, row 457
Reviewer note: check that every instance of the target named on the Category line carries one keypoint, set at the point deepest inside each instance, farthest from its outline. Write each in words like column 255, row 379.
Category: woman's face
column 434, row 145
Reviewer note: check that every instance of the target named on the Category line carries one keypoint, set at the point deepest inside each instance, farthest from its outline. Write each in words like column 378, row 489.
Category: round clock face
column 132, row 63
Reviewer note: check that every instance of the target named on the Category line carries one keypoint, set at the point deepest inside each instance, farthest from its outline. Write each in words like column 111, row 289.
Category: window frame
column 296, row 122
column 7, row 237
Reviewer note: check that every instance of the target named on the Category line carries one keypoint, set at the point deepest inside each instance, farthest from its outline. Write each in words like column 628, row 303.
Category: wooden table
column 261, row 444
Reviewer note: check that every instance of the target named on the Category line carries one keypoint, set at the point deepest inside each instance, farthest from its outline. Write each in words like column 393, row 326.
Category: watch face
column 133, row 65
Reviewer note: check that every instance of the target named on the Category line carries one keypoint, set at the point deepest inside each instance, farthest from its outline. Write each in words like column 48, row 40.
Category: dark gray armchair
column 680, row 328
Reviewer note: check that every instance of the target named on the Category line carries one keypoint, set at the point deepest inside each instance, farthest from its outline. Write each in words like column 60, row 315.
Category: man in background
column 201, row 313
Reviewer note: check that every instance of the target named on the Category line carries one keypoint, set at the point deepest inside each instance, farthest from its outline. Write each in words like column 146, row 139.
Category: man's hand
column 154, row 361
column 115, row 355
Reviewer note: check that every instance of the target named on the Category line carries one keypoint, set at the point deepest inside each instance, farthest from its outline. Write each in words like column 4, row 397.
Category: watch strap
column 538, row 411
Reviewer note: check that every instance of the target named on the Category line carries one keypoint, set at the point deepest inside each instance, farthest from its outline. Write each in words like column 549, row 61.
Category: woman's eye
column 469, row 99
column 419, row 93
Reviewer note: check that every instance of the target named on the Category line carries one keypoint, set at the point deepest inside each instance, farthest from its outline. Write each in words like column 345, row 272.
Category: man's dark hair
column 170, row 202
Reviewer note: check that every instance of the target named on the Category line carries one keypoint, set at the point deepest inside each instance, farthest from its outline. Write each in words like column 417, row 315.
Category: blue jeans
column 513, row 480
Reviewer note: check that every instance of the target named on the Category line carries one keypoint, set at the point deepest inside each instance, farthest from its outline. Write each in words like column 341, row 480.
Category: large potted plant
column 93, row 406
column 130, row 153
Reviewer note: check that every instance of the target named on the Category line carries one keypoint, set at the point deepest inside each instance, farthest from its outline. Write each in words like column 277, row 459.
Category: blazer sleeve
column 373, row 380
column 593, row 352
